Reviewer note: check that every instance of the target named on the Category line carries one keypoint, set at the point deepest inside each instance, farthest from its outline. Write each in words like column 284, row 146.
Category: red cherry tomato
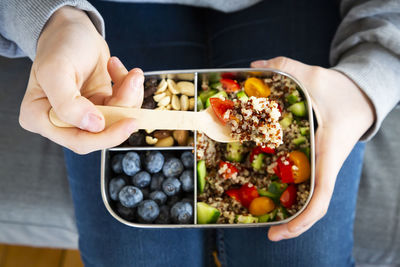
column 247, row 193
column 257, row 150
column 228, row 75
column 289, row 196
column 220, row 106
column 230, row 85
column 229, row 169
column 284, row 170
column 233, row 193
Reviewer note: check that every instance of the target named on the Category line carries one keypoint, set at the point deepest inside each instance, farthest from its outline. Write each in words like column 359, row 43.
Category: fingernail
column 116, row 62
column 91, row 122
column 137, row 81
column 277, row 238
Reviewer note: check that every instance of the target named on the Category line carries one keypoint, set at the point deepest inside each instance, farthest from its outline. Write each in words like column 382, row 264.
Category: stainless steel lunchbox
column 197, row 76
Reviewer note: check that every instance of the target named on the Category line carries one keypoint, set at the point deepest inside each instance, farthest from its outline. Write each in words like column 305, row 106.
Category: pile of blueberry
column 153, row 186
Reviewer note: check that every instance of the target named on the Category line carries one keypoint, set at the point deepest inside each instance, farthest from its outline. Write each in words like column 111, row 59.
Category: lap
column 157, row 37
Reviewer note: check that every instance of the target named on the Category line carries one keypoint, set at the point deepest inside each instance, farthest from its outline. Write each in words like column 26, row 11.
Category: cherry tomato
column 301, row 169
column 230, row 85
column 233, row 193
column 284, row 170
column 261, row 205
column 247, row 193
column 230, row 169
column 259, row 149
column 289, row 196
column 256, row 87
column 228, row 75
column 220, row 106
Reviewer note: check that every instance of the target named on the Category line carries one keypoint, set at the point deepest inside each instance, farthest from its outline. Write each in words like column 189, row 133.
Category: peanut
column 176, row 105
column 184, row 102
column 181, row 136
column 150, row 140
column 172, row 87
column 167, row 141
column 186, row 88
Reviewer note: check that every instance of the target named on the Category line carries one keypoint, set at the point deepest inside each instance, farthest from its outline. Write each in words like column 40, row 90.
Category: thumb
column 68, row 103
column 293, row 67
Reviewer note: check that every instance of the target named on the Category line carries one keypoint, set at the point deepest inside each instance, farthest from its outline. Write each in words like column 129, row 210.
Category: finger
column 79, row 141
column 129, row 93
column 295, row 68
column 327, row 168
column 58, row 81
column 116, row 70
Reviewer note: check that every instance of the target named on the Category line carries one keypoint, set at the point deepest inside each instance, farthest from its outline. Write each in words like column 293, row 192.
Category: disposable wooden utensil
column 205, row 121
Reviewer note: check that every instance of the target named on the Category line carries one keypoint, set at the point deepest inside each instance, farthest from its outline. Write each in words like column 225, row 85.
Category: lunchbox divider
column 196, row 82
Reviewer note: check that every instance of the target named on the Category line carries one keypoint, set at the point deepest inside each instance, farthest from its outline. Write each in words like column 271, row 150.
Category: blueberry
column 148, row 210
column 154, row 161
column 116, row 163
column 173, row 167
column 115, row 186
column 182, row 212
column 145, row 192
column 172, row 200
column 131, row 163
column 163, row 217
column 186, row 179
column 126, row 213
column 171, row 186
column 156, row 181
column 141, row 179
column 188, row 200
column 187, row 159
column 130, row 196
column 159, row 197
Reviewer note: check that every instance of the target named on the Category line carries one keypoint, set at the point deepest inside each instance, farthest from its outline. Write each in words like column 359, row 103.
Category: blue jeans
column 156, row 37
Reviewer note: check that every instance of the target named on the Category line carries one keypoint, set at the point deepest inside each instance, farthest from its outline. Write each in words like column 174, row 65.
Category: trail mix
column 165, row 94
column 266, row 176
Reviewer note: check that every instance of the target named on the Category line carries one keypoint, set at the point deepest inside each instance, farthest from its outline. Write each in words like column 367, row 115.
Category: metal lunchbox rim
column 195, row 225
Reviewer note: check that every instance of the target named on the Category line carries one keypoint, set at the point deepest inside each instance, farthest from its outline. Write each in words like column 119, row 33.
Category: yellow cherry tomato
column 261, row 205
column 256, row 87
column 301, row 169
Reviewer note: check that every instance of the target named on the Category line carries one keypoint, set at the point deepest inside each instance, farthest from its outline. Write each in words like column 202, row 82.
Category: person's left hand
column 344, row 114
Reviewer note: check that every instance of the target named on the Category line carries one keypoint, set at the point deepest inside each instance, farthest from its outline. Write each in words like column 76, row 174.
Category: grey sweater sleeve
column 21, row 22
column 366, row 48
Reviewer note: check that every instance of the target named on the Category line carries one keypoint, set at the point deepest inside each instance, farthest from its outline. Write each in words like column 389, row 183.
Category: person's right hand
column 72, row 72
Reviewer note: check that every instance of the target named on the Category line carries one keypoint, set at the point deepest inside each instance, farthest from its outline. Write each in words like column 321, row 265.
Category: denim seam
column 221, row 247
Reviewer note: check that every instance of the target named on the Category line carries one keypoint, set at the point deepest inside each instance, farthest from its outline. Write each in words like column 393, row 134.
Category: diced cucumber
column 285, row 122
column 268, row 217
column 200, row 105
column 206, row 213
column 242, row 96
column 201, row 175
column 234, row 152
column 263, row 218
column 214, row 77
column 291, row 99
column 258, row 162
column 298, row 109
column 246, row 219
column 299, row 140
column 204, row 95
column 216, row 85
column 304, row 130
column 219, row 94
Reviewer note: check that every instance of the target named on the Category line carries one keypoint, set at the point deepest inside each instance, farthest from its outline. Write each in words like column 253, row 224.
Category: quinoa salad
column 264, row 177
